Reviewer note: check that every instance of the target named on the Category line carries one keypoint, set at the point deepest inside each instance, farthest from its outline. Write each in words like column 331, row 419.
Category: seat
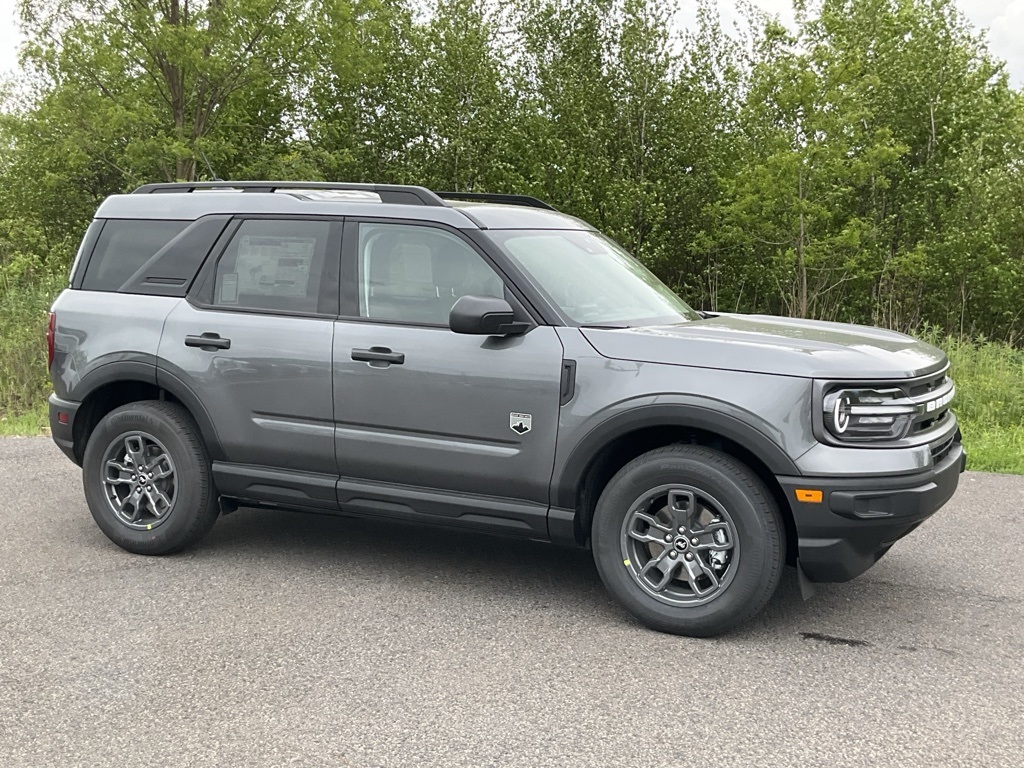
column 400, row 285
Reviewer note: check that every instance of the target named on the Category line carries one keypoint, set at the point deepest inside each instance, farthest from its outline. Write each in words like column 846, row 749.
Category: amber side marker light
column 809, row 496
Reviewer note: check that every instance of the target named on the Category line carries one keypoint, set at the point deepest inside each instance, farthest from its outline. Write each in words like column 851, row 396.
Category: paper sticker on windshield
column 521, row 423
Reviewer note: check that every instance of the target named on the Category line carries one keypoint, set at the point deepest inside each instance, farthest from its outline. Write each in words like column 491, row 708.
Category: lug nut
column 668, row 538
column 133, row 478
column 672, row 555
column 682, row 529
column 689, row 556
column 695, row 541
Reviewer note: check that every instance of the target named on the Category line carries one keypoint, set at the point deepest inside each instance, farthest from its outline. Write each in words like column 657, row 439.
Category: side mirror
column 484, row 316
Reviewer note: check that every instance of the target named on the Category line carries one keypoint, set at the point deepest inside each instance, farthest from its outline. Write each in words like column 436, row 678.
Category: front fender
column 705, row 414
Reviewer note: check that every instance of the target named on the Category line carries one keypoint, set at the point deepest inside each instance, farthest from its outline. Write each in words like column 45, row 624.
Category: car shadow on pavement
column 339, row 548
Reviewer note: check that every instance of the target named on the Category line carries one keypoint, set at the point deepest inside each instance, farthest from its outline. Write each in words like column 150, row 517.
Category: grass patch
column 32, row 422
column 24, row 381
column 995, row 450
column 989, row 401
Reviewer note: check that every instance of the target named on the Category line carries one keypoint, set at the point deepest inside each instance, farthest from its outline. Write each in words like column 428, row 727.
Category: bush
column 24, row 382
column 989, row 401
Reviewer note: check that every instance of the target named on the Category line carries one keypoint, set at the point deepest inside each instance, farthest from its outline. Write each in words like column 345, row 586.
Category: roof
column 497, row 216
column 190, row 201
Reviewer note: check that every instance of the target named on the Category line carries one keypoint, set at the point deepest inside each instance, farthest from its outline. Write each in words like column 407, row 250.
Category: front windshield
column 591, row 279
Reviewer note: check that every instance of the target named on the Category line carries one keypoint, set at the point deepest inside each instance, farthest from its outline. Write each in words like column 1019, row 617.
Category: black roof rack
column 487, row 197
column 389, row 193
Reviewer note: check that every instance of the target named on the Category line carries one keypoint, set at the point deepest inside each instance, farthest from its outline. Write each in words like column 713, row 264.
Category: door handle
column 208, row 342
column 378, row 355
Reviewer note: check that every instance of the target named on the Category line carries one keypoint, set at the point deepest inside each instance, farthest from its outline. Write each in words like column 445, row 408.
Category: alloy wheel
column 139, row 480
column 680, row 545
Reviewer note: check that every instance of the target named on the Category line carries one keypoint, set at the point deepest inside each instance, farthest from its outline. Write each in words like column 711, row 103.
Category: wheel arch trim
column 182, row 392
column 705, row 415
column 142, row 372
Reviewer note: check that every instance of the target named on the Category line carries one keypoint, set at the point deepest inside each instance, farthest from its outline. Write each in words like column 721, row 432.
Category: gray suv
column 482, row 362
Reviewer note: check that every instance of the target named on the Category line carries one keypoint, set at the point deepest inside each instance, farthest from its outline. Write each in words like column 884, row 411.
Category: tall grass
column 989, row 401
column 24, row 382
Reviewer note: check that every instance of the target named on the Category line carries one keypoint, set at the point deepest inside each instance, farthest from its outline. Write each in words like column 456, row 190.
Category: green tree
column 361, row 86
column 466, row 106
column 166, row 72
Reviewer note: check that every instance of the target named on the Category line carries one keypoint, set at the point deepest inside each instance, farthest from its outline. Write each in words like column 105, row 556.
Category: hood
column 774, row 345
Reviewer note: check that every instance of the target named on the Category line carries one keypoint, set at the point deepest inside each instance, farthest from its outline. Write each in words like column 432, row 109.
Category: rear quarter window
column 123, row 246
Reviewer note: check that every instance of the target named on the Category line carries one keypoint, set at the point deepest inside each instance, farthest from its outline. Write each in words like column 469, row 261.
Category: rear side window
column 123, row 246
column 82, row 255
column 282, row 266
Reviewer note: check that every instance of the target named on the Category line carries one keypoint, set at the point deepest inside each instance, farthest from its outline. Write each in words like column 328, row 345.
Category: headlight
column 869, row 414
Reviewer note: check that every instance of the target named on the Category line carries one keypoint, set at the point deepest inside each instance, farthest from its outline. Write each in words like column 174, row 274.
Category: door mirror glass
column 484, row 316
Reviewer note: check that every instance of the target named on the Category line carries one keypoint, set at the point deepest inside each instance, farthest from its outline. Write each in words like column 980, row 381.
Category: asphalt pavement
column 293, row 639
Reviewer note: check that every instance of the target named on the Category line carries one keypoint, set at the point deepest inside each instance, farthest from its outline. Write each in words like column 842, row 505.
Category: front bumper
column 859, row 519
column 62, row 420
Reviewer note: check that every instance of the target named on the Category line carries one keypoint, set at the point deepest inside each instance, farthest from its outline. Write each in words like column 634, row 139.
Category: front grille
column 940, row 451
column 924, row 388
column 922, row 424
column 932, row 397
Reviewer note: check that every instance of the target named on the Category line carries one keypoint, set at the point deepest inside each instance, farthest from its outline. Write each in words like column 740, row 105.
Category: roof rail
column 389, row 193
column 487, row 197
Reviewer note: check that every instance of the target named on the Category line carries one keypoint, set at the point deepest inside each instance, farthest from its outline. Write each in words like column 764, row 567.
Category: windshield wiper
column 605, row 326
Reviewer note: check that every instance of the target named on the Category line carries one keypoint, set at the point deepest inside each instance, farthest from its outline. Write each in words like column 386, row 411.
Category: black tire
column 743, row 525
column 179, row 507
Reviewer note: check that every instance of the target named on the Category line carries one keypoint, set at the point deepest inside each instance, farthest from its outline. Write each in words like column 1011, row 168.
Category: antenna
column 213, row 176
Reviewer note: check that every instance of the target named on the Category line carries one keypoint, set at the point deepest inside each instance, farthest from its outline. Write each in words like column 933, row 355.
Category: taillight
column 50, row 329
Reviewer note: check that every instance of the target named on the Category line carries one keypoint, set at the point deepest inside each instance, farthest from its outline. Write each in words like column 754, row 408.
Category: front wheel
column 147, row 478
column 688, row 540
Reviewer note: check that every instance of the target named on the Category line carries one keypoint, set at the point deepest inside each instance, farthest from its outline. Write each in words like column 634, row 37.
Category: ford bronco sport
column 482, row 362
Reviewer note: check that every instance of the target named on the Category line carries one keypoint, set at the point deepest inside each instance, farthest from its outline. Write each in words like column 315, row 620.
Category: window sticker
column 274, row 266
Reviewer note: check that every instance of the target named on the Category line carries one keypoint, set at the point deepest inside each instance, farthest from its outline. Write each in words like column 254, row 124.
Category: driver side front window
column 414, row 274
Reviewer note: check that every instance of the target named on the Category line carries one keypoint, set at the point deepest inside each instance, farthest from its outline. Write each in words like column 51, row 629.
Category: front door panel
column 465, row 414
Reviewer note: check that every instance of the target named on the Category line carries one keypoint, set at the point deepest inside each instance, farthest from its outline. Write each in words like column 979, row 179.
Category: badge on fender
column 520, row 423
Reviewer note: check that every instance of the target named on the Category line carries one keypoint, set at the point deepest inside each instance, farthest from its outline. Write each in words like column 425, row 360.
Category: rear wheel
column 147, row 478
column 688, row 540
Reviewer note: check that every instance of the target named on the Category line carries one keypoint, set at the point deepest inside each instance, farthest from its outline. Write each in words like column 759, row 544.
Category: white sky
column 1004, row 20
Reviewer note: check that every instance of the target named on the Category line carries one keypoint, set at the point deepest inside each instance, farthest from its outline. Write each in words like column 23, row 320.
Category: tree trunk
column 800, row 260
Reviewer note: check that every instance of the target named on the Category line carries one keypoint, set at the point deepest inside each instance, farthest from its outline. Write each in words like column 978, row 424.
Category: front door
column 465, row 425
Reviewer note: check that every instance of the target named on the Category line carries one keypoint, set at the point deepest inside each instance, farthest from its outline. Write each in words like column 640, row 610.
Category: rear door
column 254, row 344
column 430, row 422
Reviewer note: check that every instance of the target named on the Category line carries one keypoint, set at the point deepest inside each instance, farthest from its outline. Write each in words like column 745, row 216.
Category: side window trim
column 201, row 294
column 348, row 285
column 85, row 251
